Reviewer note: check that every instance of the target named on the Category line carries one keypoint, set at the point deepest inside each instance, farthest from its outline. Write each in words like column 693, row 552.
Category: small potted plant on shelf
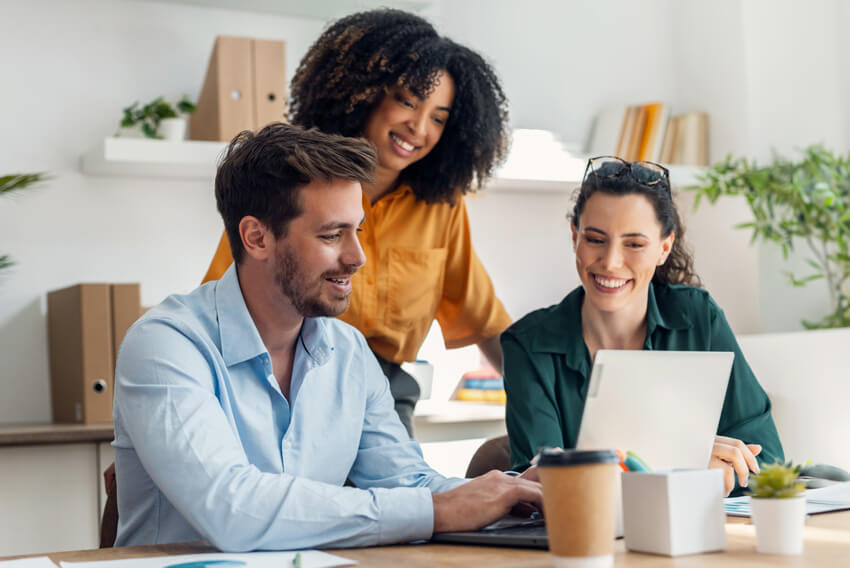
column 778, row 508
column 157, row 119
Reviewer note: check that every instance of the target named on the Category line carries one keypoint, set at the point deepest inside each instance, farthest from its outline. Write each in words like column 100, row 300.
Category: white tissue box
column 674, row 512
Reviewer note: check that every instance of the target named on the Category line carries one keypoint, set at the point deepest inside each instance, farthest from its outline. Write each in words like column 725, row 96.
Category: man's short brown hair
column 261, row 174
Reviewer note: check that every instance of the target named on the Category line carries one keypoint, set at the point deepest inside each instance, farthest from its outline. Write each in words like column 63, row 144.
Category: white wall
column 711, row 70
column 561, row 61
column 68, row 68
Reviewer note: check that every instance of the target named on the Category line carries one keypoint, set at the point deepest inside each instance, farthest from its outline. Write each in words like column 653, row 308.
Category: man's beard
column 295, row 286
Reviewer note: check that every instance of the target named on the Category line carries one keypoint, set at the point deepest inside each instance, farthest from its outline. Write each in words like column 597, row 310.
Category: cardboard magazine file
column 126, row 309
column 86, row 324
column 244, row 89
column 79, row 326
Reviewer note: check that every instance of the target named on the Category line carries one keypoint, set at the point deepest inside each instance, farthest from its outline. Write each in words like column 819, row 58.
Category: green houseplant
column 148, row 118
column 776, row 481
column 15, row 182
column 793, row 203
column 778, row 508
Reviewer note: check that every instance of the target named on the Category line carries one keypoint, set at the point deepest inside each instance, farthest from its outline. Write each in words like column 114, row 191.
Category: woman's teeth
column 609, row 282
column 403, row 144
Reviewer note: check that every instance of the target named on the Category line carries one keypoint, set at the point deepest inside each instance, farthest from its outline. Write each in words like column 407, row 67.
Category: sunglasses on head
column 645, row 173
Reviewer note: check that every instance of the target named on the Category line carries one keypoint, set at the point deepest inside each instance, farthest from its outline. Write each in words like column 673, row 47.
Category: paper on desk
column 309, row 559
column 38, row 562
column 821, row 500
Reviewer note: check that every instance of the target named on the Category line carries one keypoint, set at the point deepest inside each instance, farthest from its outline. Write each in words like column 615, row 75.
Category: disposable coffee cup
column 580, row 501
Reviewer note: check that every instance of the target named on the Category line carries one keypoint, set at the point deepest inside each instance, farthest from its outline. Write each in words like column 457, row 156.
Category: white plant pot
column 172, row 128
column 779, row 524
column 130, row 132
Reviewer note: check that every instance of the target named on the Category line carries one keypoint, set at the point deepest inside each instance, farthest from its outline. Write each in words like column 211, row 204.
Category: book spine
column 487, row 384
column 481, row 395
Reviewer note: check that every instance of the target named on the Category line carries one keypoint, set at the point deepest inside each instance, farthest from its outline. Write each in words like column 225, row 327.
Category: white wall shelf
column 680, row 176
column 193, row 159
column 145, row 157
column 453, row 411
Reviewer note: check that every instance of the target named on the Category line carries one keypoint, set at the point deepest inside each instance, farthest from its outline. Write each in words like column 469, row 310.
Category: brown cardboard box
column 244, row 89
column 126, row 309
column 86, row 324
column 79, row 325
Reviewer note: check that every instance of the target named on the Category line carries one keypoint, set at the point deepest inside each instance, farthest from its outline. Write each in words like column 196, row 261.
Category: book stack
column 481, row 385
column 648, row 132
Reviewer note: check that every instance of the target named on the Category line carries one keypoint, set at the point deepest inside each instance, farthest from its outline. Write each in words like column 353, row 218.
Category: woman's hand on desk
column 734, row 457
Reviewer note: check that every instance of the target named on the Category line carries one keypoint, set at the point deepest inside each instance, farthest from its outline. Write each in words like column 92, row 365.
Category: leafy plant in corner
column 776, row 481
column 807, row 201
column 149, row 116
column 12, row 183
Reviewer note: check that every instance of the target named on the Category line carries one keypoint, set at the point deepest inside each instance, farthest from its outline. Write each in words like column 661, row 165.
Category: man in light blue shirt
column 241, row 408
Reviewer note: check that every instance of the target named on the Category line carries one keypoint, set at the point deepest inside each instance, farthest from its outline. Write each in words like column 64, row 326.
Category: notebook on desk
column 822, row 500
column 635, row 402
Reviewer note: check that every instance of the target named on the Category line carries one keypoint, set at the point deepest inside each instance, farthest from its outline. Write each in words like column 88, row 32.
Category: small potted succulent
column 779, row 508
column 157, row 119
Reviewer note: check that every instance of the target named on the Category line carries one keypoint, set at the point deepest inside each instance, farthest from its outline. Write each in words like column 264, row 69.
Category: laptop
column 663, row 405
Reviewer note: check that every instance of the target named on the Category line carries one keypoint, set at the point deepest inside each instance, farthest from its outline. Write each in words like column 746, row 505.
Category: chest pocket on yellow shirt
column 415, row 285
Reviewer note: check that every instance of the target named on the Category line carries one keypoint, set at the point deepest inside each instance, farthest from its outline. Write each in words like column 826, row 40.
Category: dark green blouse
column 547, row 367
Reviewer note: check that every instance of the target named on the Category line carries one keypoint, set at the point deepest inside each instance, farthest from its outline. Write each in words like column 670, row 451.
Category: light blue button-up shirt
column 207, row 447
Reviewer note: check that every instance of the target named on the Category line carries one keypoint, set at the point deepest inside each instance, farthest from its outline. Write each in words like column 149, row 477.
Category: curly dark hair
column 679, row 267
column 357, row 59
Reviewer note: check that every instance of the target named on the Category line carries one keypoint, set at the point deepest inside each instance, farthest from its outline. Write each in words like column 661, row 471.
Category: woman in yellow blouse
column 438, row 118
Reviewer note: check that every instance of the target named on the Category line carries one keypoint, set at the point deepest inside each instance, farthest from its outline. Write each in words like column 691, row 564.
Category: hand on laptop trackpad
column 509, row 521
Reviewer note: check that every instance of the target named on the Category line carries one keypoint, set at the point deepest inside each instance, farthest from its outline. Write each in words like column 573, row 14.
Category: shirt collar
column 240, row 340
column 668, row 315
column 397, row 193
column 314, row 340
column 239, row 337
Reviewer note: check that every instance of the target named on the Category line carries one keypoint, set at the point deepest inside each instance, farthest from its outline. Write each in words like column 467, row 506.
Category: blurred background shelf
column 146, row 157
column 528, row 169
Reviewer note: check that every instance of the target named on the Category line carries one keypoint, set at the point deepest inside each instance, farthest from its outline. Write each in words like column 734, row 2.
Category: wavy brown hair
column 679, row 266
column 356, row 60
column 262, row 174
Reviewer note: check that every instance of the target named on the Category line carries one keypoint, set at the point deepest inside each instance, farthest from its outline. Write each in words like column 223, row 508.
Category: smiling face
column 404, row 128
column 320, row 252
column 618, row 244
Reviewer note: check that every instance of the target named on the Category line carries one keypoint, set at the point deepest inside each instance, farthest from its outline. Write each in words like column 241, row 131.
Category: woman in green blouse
column 638, row 291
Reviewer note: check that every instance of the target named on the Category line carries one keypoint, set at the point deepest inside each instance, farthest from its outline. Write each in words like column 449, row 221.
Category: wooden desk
column 827, row 544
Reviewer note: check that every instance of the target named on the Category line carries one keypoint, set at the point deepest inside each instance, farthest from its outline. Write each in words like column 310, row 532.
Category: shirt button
column 287, row 444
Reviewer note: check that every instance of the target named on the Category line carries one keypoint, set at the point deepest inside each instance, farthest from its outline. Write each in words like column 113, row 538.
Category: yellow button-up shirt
column 420, row 266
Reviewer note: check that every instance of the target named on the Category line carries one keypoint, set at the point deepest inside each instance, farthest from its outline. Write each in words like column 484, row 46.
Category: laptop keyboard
column 514, row 524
